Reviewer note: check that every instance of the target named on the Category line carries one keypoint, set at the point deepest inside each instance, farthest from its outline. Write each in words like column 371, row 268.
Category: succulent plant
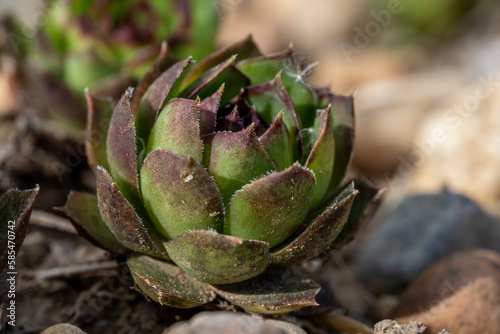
column 15, row 212
column 219, row 176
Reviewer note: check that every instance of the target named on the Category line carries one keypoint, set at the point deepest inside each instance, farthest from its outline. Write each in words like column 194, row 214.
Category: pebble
column 421, row 230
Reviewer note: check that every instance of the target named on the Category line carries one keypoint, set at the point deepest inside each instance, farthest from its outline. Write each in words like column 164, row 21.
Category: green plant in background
column 107, row 45
column 218, row 170
column 15, row 212
column 425, row 18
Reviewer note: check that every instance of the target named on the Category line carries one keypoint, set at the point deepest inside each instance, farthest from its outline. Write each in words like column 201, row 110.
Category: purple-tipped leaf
column 178, row 129
column 271, row 98
column 276, row 142
column 149, row 77
column 231, row 122
column 156, row 95
column 83, row 212
column 224, row 73
column 121, row 150
column 123, row 221
column 179, row 194
column 234, row 159
column 208, row 112
column 320, row 234
column 276, row 291
column 218, row 259
column 271, row 208
column 322, row 156
column 167, row 284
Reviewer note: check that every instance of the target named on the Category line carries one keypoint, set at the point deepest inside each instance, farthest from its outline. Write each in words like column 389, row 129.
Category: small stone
column 233, row 323
column 393, row 327
column 419, row 232
column 63, row 329
column 460, row 294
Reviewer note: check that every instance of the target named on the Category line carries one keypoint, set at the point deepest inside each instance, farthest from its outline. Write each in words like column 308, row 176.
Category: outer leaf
column 15, row 212
column 121, row 150
column 122, row 220
column 234, row 159
column 168, row 284
column 178, row 129
column 149, row 77
column 95, row 135
column 208, row 112
column 321, row 158
column 83, row 212
column 271, row 208
column 320, row 234
column 179, row 194
column 276, row 142
column 244, row 49
column 273, row 292
column 343, row 126
column 218, row 259
column 363, row 208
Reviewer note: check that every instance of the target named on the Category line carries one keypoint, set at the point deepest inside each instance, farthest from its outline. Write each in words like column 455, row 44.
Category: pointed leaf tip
column 234, row 159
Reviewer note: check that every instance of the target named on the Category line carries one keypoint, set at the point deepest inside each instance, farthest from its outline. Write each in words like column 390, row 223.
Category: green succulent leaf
column 234, row 159
column 218, row 259
column 271, row 208
column 168, row 284
column 121, row 150
column 178, row 129
column 322, row 156
column 364, row 206
column 83, row 211
column 263, row 68
column 276, row 141
column 15, row 212
column 123, row 221
column 275, row 291
column 208, row 112
column 179, row 194
column 320, row 234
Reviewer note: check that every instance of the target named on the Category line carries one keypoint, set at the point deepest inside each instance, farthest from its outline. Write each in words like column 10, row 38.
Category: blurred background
column 425, row 76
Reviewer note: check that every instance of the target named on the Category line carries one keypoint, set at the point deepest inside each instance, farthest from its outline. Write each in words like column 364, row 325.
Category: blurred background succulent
column 106, row 45
column 218, row 169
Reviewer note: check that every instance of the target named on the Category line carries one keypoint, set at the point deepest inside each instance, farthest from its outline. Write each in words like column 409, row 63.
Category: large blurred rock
column 420, row 231
column 460, row 293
